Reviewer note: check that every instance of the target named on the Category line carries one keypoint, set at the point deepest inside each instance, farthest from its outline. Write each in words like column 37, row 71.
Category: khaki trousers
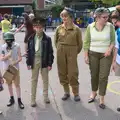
column 35, row 74
column 99, row 69
column 68, row 68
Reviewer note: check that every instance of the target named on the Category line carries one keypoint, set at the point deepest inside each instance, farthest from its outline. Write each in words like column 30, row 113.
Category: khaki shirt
column 71, row 36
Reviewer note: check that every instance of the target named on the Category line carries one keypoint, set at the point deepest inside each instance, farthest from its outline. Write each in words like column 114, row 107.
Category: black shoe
column 102, row 106
column 1, row 88
column 77, row 98
column 20, row 104
column 90, row 100
column 33, row 104
column 11, row 102
column 65, row 97
column 118, row 109
column 47, row 101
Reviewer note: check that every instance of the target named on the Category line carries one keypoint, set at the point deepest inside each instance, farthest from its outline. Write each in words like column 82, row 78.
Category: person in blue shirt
column 91, row 18
column 116, row 58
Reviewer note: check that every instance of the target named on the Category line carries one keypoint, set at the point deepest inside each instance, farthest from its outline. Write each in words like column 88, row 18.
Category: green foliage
column 109, row 2
column 56, row 11
column 34, row 5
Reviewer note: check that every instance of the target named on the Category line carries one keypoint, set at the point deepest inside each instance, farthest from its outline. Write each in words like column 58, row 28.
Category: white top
column 100, row 40
column 117, row 46
column 14, row 55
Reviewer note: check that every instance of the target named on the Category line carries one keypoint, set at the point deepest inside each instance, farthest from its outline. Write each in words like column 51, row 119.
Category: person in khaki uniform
column 68, row 41
column 39, row 58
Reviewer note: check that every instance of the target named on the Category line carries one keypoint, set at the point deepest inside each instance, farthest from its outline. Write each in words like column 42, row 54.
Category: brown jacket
column 71, row 36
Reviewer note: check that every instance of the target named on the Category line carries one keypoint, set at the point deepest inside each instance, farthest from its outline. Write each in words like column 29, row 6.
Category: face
column 104, row 18
column 9, row 43
column 115, row 22
column 65, row 17
column 38, row 29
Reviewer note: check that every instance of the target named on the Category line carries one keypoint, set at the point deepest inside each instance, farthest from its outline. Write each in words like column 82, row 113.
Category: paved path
column 59, row 110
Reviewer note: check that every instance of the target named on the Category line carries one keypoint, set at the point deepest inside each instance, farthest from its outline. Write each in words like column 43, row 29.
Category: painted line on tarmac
column 112, row 90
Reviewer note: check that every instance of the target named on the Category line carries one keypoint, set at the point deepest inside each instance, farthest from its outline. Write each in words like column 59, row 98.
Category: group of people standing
column 98, row 47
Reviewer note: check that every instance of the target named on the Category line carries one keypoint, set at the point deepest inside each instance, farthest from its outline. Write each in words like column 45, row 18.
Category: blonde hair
column 66, row 13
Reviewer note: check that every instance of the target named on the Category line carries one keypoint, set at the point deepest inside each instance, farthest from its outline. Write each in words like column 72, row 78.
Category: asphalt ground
column 58, row 109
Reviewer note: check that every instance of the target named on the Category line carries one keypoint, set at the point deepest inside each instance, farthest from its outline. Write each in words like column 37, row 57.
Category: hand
column 24, row 55
column 2, row 58
column 107, row 53
column 113, row 66
column 28, row 67
column 2, row 81
column 49, row 68
column 86, row 59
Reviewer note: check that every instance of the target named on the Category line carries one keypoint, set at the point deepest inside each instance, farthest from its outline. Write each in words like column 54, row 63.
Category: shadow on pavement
column 77, row 111
column 44, row 113
column 13, row 114
column 106, row 114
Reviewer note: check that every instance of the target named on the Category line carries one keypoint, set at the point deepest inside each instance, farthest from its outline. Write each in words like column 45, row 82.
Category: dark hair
column 9, row 44
column 6, row 16
column 115, row 17
column 39, row 21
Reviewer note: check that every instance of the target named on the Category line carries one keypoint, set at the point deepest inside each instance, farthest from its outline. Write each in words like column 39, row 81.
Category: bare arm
column 115, row 54
column 19, row 56
column 19, row 28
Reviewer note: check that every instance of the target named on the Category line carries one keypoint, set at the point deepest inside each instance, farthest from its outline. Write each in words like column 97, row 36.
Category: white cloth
column 37, row 45
column 117, row 46
column 14, row 55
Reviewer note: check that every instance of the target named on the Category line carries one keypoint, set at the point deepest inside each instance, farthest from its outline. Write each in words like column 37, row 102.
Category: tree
column 56, row 10
column 34, row 4
column 108, row 2
column 59, row 2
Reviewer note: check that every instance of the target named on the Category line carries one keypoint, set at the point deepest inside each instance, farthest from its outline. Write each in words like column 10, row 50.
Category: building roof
column 15, row 2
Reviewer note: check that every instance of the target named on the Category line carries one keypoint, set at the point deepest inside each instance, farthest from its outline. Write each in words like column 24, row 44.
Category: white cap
column 31, row 15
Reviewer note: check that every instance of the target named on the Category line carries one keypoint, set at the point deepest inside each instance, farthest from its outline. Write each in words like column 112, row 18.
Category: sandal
column 90, row 100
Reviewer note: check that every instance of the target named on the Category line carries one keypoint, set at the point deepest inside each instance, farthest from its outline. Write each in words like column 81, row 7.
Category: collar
column 41, row 35
column 94, row 24
column 72, row 27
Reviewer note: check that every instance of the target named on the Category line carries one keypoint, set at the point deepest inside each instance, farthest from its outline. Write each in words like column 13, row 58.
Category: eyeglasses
column 114, row 23
column 105, row 17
